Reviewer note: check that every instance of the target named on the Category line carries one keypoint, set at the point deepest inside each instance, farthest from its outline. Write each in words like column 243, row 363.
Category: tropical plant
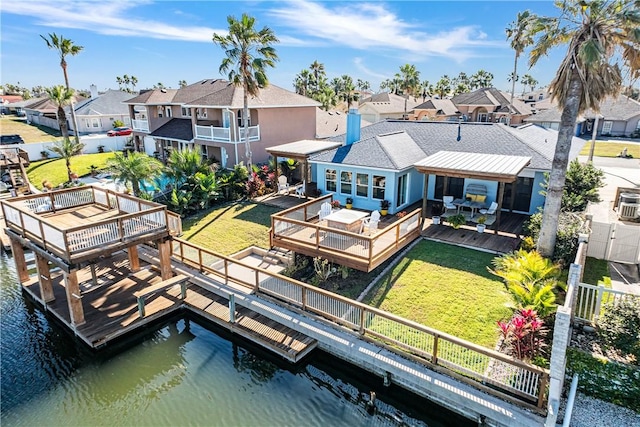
column 65, row 47
column 443, row 87
column 62, row 97
column 603, row 35
column 581, row 186
column 457, row 220
column 523, row 335
column 66, row 149
column 528, row 81
column 530, row 278
column 347, row 90
column 481, row 79
column 570, row 226
column 247, row 55
column 409, row 83
column 327, row 97
column 133, row 168
column 183, row 164
column 182, row 83
column 619, row 326
column 232, row 183
column 520, row 36
column 117, row 123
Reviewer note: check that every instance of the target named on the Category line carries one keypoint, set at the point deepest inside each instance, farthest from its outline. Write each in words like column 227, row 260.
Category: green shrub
column 457, row 220
column 569, row 226
column 619, row 326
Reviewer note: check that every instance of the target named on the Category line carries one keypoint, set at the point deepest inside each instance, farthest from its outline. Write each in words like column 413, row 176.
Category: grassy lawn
column 230, row 228
column 55, row 170
column 10, row 125
column 611, row 149
column 446, row 288
column 596, row 270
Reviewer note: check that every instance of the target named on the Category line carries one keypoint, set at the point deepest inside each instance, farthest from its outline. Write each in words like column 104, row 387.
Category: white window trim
column 186, row 111
column 607, row 125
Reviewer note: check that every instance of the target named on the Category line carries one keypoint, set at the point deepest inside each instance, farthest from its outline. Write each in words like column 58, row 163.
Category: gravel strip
column 590, row 412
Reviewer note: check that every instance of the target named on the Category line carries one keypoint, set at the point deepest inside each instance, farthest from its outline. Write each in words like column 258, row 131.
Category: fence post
column 561, row 336
column 596, row 311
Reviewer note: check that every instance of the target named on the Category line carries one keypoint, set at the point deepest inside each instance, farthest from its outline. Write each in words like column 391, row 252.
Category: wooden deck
column 111, row 308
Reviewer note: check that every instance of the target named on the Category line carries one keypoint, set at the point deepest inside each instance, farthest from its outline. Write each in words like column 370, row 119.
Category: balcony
column 140, row 125
column 221, row 134
column 298, row 229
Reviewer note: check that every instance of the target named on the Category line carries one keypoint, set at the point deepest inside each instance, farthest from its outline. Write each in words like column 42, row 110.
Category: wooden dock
column 112, row 311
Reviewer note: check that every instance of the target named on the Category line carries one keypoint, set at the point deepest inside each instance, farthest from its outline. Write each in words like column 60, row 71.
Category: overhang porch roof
column 301, row 150
column 493, row 167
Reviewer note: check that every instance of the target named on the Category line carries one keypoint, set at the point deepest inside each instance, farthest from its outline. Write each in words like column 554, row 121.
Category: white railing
column 142, row 224
column 254, row 133
column 140, row 125
column 92, row 237
column 213, row 133
column 590, row 300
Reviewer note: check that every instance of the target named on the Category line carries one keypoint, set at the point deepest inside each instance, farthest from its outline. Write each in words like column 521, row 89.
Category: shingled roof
column 620, row 108
column 175, row 129
column 110, row 102
column 491, row 96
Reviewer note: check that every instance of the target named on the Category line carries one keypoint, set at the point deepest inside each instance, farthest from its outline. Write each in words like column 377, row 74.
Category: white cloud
column 360, row 66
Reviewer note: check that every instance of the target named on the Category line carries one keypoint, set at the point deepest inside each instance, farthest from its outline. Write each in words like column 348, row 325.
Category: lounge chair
column 447, row 202
column 491, row 210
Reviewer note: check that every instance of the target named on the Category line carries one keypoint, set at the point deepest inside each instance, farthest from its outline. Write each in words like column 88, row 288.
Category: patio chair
column 447, row 202
column 325, row 210
column 370, row 223
column 283, row 185
column 301, row 189
column 491, row 210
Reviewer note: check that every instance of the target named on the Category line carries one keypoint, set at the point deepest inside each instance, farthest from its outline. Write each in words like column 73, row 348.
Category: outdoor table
column 346, row 219
column 461, row 204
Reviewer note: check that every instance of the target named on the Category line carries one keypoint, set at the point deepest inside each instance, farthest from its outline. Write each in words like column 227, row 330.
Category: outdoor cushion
column 480, row 199
column 470, row 197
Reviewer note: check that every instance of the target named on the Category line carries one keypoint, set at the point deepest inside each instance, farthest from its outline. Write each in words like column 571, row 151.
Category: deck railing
column 484, row 368
column 136, row 218
column 222, row 134
column 292, row 230
column 590, row 300
column 140, row 125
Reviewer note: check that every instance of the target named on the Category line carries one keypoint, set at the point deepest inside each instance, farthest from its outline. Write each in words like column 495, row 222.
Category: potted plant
column 481, row 224
column 335, row 204
column 384, row 207
column 457, row 220
column 435, row 219
column 349, row 203
column 44, row 154
column 94, row 170
column 100, row 148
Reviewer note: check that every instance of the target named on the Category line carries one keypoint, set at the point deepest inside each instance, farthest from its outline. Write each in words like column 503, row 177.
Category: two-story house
column 489, row 105
column 207, row 116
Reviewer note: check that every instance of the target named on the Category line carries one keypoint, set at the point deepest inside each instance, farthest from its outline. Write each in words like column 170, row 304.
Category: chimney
column 94, row 91
column 353, row 126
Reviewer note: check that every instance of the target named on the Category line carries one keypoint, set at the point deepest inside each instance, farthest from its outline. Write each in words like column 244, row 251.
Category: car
column 11, row 139
column 120, row 131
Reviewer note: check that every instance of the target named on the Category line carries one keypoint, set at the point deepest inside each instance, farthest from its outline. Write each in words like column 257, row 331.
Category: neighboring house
column 332, row 123
column 43, row 111
column 491, row 106
column 385, row 105
column 6, row 101
column 618, row 116
column 97, row 114
column 207, row 116
column 381, row 163
column 436, row 110
column 537, row 99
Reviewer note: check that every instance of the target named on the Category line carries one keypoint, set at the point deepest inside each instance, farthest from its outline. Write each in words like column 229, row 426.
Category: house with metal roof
column 404, row 162
column 207, row 116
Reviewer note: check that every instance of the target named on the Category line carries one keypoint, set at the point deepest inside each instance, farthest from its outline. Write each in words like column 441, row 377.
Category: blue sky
column 169, row 41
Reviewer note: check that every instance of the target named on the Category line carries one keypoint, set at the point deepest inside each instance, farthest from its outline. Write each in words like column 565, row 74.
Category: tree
column 134, row 82
column 443, row 86
column 347, row 91
column 159, row 85
column 528, row 81
column 65, row 47
column 409, row 83
column 521, row 38
column 303, row 82
column 62, row 97
column 602, row 35
column 327, row 97
column 248, row 54
column 363, row 85
column 182, row 83
column 133, row 168
column 580, row 187
column 183, row 164
column 67, row 149
column 481, row 79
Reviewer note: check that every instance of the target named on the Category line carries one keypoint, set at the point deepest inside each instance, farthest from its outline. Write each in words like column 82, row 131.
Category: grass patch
column 596, row 271
column 230, row 228
column 611, row 149
column 447, row 288
column 30, row 133
column 55, row 170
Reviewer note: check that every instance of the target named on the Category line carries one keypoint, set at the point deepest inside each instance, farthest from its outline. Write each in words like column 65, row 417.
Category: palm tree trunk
column 73, row 113
column 513, row 87
column 245, row 122
column 62, row 122
column 67, row 161
column 553, row 202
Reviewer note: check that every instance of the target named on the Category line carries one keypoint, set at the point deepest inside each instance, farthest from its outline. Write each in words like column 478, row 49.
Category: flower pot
column 480, row 228
column 435, row 220
column 384, row 212
column 349, row 205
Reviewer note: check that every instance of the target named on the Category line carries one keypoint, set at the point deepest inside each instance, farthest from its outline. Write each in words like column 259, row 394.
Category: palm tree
column 409, row 83
column 528, row 81
column 66, row 149
column 134, row 82
column 317, row 68
column 65, row 47
column 62, row 97
column 520, row 36
column 119, row 81
column 347, row 90
column 443, row 86
column 248, row 54
column 327, row 97
column 183, row 164
column 133, row 168
column 182, row 83
column 302, row 82
column 481, row 79
column 602, row 36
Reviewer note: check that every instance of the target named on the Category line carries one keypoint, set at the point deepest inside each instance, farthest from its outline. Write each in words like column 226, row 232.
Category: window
column 186, row 112
column 606, row 126
column 540, row 97
column 378, row 187
column 346, row 182
column 401, row 194
column 362, row 184
column 168, row 111
column 226, row 118
column 240, row 124
column 201, row 113
column 160, row 112
column 330, row 177
column 96, row 123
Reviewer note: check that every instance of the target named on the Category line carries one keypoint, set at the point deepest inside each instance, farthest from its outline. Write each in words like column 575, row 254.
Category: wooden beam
column 18, row 257
column 164, row 251
column 74, row 299
column 134, row 259
column 44, row 279
column 425, row 191
column 500, row 197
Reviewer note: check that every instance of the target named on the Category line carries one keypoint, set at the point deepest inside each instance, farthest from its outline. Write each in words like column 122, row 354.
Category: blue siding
column 537, row 199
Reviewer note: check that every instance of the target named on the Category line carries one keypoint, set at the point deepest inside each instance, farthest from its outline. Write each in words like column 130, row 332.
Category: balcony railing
column 140, row 125
column 218, row 134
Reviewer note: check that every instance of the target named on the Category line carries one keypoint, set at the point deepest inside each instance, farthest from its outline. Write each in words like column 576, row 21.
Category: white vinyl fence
column 591, row 299
column 614, row 242
column 114, row 143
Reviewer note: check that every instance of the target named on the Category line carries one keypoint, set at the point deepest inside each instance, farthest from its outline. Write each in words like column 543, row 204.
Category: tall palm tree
column 65, row 47
column 133, row 168
column 528, row 81
column 62, row 97
column 443, row 86
column 327, row 97
column 520, row 36
column 347, row 90
column 481, row 79
column 410, row 83
column 317, row 68
column 66, row 149
column 603, row 35
column 134, row 82
column 248, row 54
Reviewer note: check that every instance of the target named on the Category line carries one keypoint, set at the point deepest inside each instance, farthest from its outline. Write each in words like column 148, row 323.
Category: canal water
column 184, row 372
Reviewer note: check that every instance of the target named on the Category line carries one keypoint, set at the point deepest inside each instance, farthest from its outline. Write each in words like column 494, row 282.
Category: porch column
column 18, row 257
column 424, row 197
column 164, row 251
column 134, row 259
column 500, row 197
column 74, row 299
column 44, row 279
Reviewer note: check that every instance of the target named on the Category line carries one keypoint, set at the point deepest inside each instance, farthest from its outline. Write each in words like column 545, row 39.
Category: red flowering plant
column 401, row 214
column 255, row 186
column 335, row 204
column 523, row 335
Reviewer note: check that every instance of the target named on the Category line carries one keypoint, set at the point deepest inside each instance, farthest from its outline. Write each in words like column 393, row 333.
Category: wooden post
column 164, row 250
column 94, row 277
column 425, row 191
column 44, row 279
column 499, row 209
column 18, row 258
column 134, row 259
column 74, row 299
column 232, row 308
